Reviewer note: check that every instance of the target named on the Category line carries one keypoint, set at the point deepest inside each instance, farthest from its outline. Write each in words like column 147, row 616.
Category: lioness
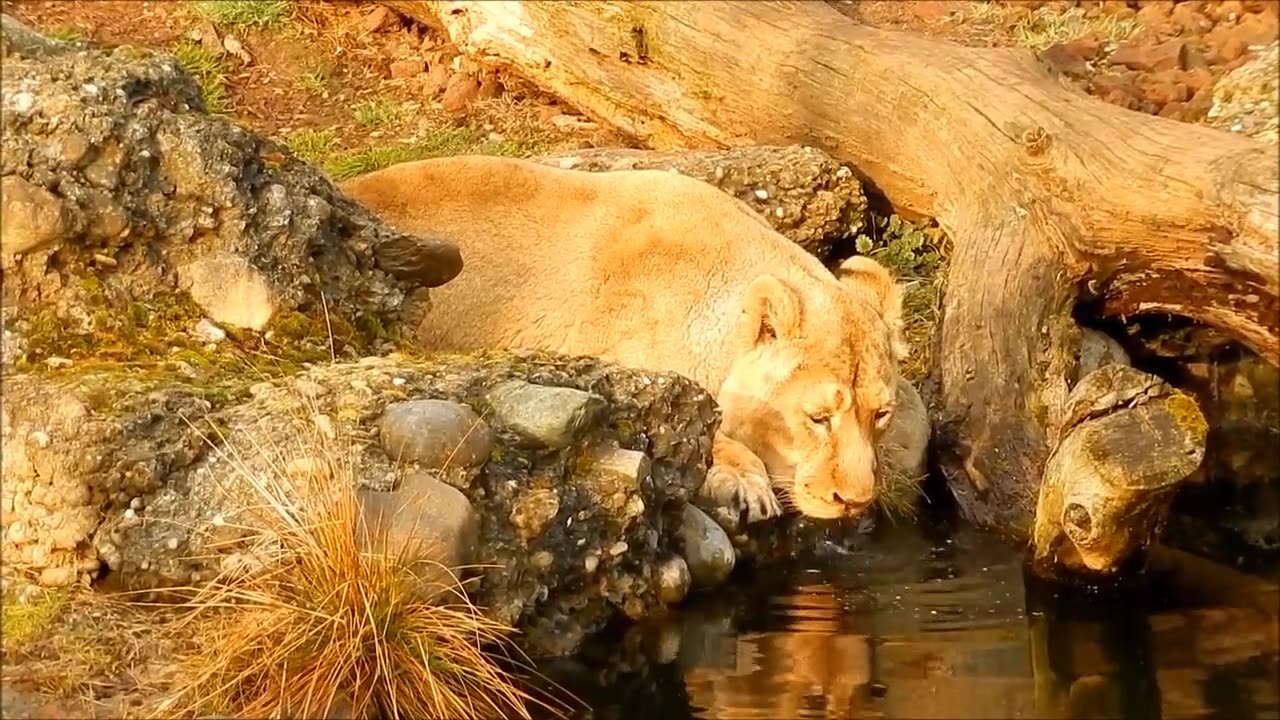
column 663, row 272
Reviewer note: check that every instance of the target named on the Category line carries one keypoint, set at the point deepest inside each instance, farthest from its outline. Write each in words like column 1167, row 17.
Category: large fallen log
column 1053, row 199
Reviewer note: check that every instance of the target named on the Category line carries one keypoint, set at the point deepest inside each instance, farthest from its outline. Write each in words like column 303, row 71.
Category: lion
column 663, row 272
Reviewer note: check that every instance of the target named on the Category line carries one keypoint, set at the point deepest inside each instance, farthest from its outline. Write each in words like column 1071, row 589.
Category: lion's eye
column 882, row 415
column 822, row 419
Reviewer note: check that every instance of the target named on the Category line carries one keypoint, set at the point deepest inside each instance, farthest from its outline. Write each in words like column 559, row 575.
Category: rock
column 490, row 88
column 119, row 434
column 144, row 173
column 531, row 513
column 1162, row 88
column 432, row 520
column 58, row 576
column 31, row 217
column 1063, row 59
column 406, row 68
column 1247, row 100
column 210, row 331
column 903, row 450
column 550, row 417
column 435, row 434
column 436, row 80
column 461, row 90
column 379, row 19
column 1168, row 55
column 810, row 198
column 706, row 548
column 673, row 580
column 230, row 290
column 612, row 478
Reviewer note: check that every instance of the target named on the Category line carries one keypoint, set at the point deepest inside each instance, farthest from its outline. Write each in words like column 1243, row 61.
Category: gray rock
column 707, row 550
column 548, row 416
column 230, row 290
column 432, row 520
column 30, row 217
column 148, row 183
column 435, row 434
column 903, row 450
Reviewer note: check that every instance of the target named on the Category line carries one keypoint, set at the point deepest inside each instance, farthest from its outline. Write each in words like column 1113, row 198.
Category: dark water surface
column 921, row 624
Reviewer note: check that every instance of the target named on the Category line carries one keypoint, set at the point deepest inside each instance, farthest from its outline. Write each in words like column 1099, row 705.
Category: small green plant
column 242, row 13
column 906, row 248
column 313, row 146
column 313, row 81
column 374, row 114
column 28, row 619
column 209, row 72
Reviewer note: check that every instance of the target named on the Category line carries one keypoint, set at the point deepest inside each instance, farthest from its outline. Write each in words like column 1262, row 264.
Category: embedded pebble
column 762, row 194
column 40, row 438
column 208, row 330
column 435, row 434
column 542, row 414
column 673, row 580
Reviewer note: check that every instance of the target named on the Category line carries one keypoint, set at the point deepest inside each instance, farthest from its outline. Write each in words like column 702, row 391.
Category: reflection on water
column 913, row 627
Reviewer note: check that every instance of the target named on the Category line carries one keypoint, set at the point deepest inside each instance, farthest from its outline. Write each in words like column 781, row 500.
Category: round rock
column 435, row 434
column 707, row 550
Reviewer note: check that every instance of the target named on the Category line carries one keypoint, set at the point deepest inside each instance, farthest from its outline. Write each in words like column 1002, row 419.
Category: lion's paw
column 747, row 493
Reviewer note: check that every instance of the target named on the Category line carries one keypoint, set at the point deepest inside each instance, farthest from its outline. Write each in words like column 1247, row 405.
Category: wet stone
column 544, row 415
column 708, row 551
column 435, row 521
column 435, row 434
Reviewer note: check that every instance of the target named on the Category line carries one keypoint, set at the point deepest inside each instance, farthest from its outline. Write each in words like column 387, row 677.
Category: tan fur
column 663, row 272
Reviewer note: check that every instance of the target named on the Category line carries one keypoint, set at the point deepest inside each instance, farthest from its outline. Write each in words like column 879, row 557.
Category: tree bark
column 1051, row 198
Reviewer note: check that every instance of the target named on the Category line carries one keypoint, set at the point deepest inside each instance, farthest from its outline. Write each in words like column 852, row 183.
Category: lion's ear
column 770, row 310
column 863, row 275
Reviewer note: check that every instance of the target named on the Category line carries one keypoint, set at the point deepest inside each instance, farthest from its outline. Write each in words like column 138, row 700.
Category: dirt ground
column 352, row 86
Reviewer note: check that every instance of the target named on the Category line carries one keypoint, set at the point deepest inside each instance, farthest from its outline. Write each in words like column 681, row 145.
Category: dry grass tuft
column 317, row 624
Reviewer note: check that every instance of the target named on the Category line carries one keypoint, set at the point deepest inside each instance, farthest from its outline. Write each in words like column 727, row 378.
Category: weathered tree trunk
column 1051, row 198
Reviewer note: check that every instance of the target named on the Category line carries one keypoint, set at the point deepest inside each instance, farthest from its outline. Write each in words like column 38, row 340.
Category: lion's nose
column 849, row 501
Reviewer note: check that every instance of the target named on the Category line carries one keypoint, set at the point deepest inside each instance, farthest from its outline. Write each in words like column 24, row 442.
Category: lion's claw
column 747, row 494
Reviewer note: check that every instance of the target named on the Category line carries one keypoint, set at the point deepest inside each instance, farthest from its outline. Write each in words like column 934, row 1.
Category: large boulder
column 130, row 214
column 136, row 471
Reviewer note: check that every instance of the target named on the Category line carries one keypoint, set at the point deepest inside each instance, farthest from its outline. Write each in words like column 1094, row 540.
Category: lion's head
column 814, row 383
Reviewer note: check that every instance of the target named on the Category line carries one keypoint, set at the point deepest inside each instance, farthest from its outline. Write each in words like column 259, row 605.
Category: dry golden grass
column 321, row 622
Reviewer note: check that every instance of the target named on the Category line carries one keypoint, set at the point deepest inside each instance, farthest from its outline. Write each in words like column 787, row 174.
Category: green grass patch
column 320, row 148
column 313, row 81
column 208, row 71
column 64, row 33
column 313, row 146
column 242, row 13
column 29, row 620
column 375, row 114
